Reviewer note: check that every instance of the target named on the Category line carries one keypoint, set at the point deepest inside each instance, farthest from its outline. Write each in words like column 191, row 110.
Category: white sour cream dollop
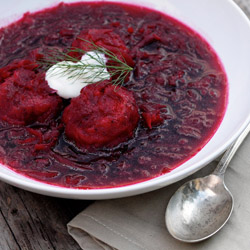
column 68, row 84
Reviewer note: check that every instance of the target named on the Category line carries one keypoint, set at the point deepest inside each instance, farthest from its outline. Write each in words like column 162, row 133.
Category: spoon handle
column 227, row 157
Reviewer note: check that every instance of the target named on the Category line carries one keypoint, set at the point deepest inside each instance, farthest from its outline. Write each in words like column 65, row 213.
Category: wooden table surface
column 30, row 221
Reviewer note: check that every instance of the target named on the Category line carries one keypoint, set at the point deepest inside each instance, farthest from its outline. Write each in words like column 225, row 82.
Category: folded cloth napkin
column 138, row 222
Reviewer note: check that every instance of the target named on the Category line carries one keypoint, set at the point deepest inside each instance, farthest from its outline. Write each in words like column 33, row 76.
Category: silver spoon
column 202, row 206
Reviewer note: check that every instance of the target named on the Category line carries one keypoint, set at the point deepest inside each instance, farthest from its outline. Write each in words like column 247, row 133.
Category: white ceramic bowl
column 227, row 29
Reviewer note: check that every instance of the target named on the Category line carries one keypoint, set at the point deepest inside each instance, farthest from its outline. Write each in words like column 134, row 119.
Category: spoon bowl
column 199, row 209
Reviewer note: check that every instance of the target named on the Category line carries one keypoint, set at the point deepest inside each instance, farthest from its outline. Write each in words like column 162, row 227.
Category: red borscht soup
column 168, row 108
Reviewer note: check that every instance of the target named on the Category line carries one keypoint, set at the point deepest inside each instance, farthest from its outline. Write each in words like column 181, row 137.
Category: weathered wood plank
column 7, row 240
column 32, row 221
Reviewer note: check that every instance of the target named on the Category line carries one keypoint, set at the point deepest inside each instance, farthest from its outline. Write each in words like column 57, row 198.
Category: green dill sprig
column 74, row 68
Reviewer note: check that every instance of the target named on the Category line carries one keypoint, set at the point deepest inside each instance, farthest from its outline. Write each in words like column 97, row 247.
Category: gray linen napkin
column 137, row 222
